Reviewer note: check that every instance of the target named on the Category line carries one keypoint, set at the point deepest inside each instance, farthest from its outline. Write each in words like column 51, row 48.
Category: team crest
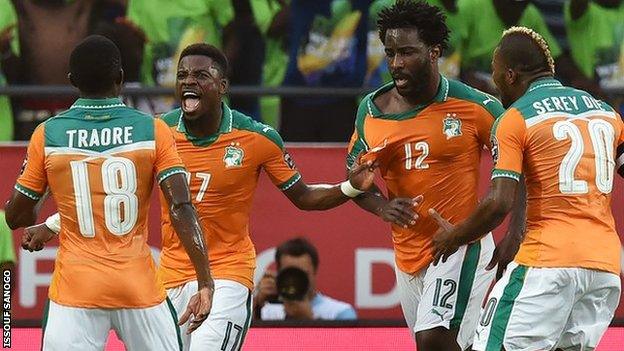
column 233, row 156
column 451, row 126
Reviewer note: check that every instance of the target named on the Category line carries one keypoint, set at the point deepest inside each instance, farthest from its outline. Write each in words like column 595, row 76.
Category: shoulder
column 272, row 311
column 461, row 91
column 172, row 118
column 330, row 308
column 263, row 131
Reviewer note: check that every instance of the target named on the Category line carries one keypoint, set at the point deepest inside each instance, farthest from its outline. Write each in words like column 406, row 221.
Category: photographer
column 289, row 295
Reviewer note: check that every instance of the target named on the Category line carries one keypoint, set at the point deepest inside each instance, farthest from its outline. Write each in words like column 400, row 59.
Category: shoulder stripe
column 531, row 121
column 141, row 145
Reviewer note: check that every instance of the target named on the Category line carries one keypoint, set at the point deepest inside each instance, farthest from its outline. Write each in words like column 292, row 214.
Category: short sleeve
column 357, row 143
column 167, row 161
column 508, row 137
column 33, row 180
column 277, row 163
column 487, row 113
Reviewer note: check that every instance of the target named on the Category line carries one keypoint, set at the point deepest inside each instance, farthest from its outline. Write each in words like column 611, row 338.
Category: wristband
column 349, row 190
column 54, row 223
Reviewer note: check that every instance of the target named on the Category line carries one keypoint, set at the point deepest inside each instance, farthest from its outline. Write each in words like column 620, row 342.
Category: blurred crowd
column 309, row 43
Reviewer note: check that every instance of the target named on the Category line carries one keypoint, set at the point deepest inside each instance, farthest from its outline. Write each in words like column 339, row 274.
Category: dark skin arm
column 22, row 211
column 187, row 226
column 318, row 197
column 489, row 214
column 507, row 248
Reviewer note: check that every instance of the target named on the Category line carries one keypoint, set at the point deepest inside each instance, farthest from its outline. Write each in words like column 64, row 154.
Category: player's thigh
column 410, row 288
column 228, row 321
column 74, row 329
column 526, row 310
column 180, row 297
column 454, row 291
column 593, row 312
column 151, row 328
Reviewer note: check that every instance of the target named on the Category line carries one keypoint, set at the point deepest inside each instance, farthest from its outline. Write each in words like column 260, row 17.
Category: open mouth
column 190, row 101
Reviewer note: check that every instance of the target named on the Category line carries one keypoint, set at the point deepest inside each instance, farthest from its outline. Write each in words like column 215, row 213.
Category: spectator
column 327, row 48
column 9, row 49
column 450, row 63
column 596, row 35
column 172, row 25
column 484, row 22
column 301, row 254
column 552, row 11
column 48, row 31
column 272, row 18
column 244, row 47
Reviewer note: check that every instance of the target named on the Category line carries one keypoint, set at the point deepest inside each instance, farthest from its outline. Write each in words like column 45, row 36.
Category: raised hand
column 400, row 211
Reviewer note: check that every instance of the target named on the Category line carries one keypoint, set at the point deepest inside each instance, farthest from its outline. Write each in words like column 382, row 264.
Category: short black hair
column 94, row 65
column 207, row 50
column 524, row 50
column 429, row 20
column 297, row 247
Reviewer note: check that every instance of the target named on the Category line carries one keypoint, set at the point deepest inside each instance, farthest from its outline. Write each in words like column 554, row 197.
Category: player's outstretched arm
column 325, row 196
column 186, row 224
column 21, row 210
column 507, row 248
column 489, row 214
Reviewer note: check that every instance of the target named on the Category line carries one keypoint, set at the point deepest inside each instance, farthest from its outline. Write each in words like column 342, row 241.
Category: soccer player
column 427, row 134
column 224, row 152
column 563, row 287
column 99, row 159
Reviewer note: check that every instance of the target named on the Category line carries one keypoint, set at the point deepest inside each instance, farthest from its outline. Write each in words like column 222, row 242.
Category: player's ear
column 71, row 79
column 224, row 85
column 120, row 77
column 435, row 53
column 511, row 76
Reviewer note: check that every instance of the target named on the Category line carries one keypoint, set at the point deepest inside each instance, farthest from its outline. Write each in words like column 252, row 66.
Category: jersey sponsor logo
column 289, row 160
column 233, row 156
column 494, row 142
column 451, row 126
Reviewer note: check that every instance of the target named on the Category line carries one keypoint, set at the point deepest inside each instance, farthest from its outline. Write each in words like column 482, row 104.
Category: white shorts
column 534, row 308
column 84, row 329
column 450, row 294
column 228, row 321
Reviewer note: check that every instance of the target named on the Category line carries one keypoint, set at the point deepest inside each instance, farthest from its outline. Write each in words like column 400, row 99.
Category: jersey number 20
column 602, row 137
column 119, row 180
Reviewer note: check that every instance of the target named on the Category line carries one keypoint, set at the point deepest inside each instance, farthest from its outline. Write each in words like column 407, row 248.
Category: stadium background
column 355, row 247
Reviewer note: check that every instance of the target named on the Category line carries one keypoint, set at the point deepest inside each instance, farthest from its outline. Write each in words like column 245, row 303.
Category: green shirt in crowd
column 7, row 251
column 483, row 30
column 8, row 17
column 170, row 26
column 597, row 42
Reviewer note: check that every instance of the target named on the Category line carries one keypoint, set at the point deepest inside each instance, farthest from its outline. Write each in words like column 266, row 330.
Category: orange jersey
column 223, row 172
column 565, row 142
column 99, row 159
column 433, row 150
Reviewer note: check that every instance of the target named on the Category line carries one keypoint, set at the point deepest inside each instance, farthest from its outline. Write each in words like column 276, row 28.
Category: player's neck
column 105, row 95
column 207, row 124
column 427, row 94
